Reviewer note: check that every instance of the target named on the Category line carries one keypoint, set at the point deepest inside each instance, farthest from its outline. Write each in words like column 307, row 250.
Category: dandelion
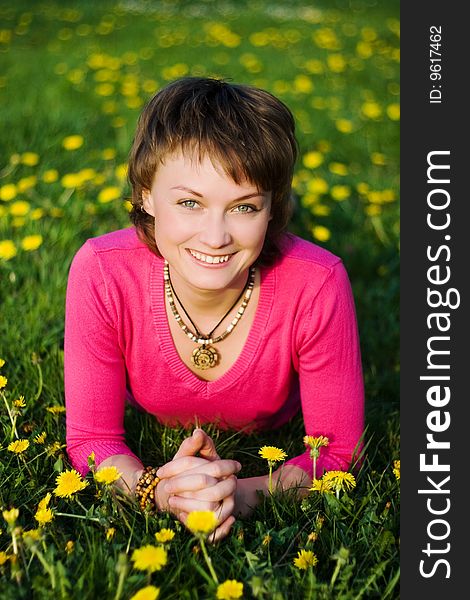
column 7, row 251
column 30, row 159
column 43, row 516
column 69, row 483
column 149, row 558
column 305, row 559
column 3, row 557
column 72, row 142
column 50, row 176
column 202, row 521
column 40, row 438
column 396, row 469
column 3, row 380
column 149, row 592
column 272, row 455
column 11, row 516
column 20, row 402
column 340, row 192
column 321, row 233
column 2, row 362
column 340, row 480
column 69, row 546
column 393, row 112
column 32, row 534
column 31, row 242
column 107, row 475
column 312, row 160
column 164, row 535
column 371, row 110
column 108, row 194
column 18, row 446
column 8, row 192
column 229, row 589
column 322, row 486
column 315, row 443
column 110, row 533
column 19, row 208
column 55, row 410
column 266, row 540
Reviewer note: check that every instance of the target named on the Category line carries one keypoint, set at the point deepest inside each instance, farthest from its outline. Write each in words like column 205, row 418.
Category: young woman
column 207, row 309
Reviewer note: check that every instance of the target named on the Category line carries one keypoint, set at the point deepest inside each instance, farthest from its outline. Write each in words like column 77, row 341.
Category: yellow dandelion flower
column 303, row 84
column 3, row 557
column 371, row 110
column 373, row 210
column 149, row 592
column 164, row 535
column 110, row 533
column 32, row 534
column 30, row 159
column 26, row 183
column 18, row 446
column 69, row 483
column 108, row 153
column 107, row 475
column 149, row 558
column 40, row 438
column 55, row 410
column 11, row 515
column 44, row 503
column 7, row 251
column 20, row 402
column 121, row 171
column 69, row 546
column 72, row 142
column 338, row 168
column 317, row 185
column 3, row 380
column 316, row 442
column 272, row 454
column 378, row 158
column 43, row 516
column 396, row 469
column 312, row 159
column 305, row 559
column 340, row 480
column 108, row 194
column 340, row 192
column 50, row 176
column 2, row 362
column 336, row 63
column 344, row 125
column 31, row 242
column 266, row 540
column 20, row 208
column 321, row 486
column 229, row 589
column 8, row 192
column 393, row 111
column 71, row 180
column 202, row 521
column 54, row 448
column 321, row 233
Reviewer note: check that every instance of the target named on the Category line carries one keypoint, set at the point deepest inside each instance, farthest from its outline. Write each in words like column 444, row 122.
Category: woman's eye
column 189, row 203
column 245, row 208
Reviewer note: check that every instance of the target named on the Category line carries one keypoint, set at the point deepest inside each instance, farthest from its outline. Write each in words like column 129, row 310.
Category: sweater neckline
column 246, row 356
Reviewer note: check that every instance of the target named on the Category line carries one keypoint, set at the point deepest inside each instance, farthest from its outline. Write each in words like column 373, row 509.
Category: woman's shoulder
column 120, row 239
column 295, row 249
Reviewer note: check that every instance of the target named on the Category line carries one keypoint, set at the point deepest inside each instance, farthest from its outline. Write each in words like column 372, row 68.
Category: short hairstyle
column 250, row 132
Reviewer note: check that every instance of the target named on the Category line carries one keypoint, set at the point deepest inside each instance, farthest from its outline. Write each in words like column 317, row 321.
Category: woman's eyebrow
column 246, row 197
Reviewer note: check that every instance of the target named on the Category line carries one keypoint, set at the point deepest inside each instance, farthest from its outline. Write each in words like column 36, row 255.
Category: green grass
column 328, row 61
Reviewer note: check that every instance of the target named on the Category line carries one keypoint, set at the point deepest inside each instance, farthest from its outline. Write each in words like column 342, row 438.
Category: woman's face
column 209, row 228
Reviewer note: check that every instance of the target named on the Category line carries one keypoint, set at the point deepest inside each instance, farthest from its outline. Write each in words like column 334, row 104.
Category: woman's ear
column 147, row 202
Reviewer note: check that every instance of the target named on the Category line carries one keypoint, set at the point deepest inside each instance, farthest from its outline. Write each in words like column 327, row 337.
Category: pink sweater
column 302, row 352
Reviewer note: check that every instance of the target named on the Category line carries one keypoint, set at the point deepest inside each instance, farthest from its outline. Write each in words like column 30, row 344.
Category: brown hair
column 247, row 130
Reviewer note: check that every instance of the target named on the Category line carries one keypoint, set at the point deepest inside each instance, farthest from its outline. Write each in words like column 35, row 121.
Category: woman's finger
column 198, row 443
column 216, row 468
column 178, row 504
column 194, row 486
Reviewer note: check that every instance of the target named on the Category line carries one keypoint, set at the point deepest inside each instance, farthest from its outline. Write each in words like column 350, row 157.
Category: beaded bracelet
column 145, row 488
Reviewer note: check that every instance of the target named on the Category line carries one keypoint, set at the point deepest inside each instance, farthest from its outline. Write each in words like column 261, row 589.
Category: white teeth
column 210, row 259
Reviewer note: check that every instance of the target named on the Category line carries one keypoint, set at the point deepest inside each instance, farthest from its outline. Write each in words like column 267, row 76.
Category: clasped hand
column 198, row 479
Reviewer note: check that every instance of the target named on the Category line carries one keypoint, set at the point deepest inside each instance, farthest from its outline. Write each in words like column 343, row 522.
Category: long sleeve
column 94, row 367
column 330, row 374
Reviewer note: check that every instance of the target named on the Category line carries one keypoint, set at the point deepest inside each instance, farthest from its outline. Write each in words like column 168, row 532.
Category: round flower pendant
column 204, row 357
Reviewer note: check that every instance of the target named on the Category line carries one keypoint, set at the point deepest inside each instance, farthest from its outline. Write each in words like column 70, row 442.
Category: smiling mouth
column 207, row 258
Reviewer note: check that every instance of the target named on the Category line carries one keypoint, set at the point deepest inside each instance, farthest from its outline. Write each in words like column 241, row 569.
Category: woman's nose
column 214, row 232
